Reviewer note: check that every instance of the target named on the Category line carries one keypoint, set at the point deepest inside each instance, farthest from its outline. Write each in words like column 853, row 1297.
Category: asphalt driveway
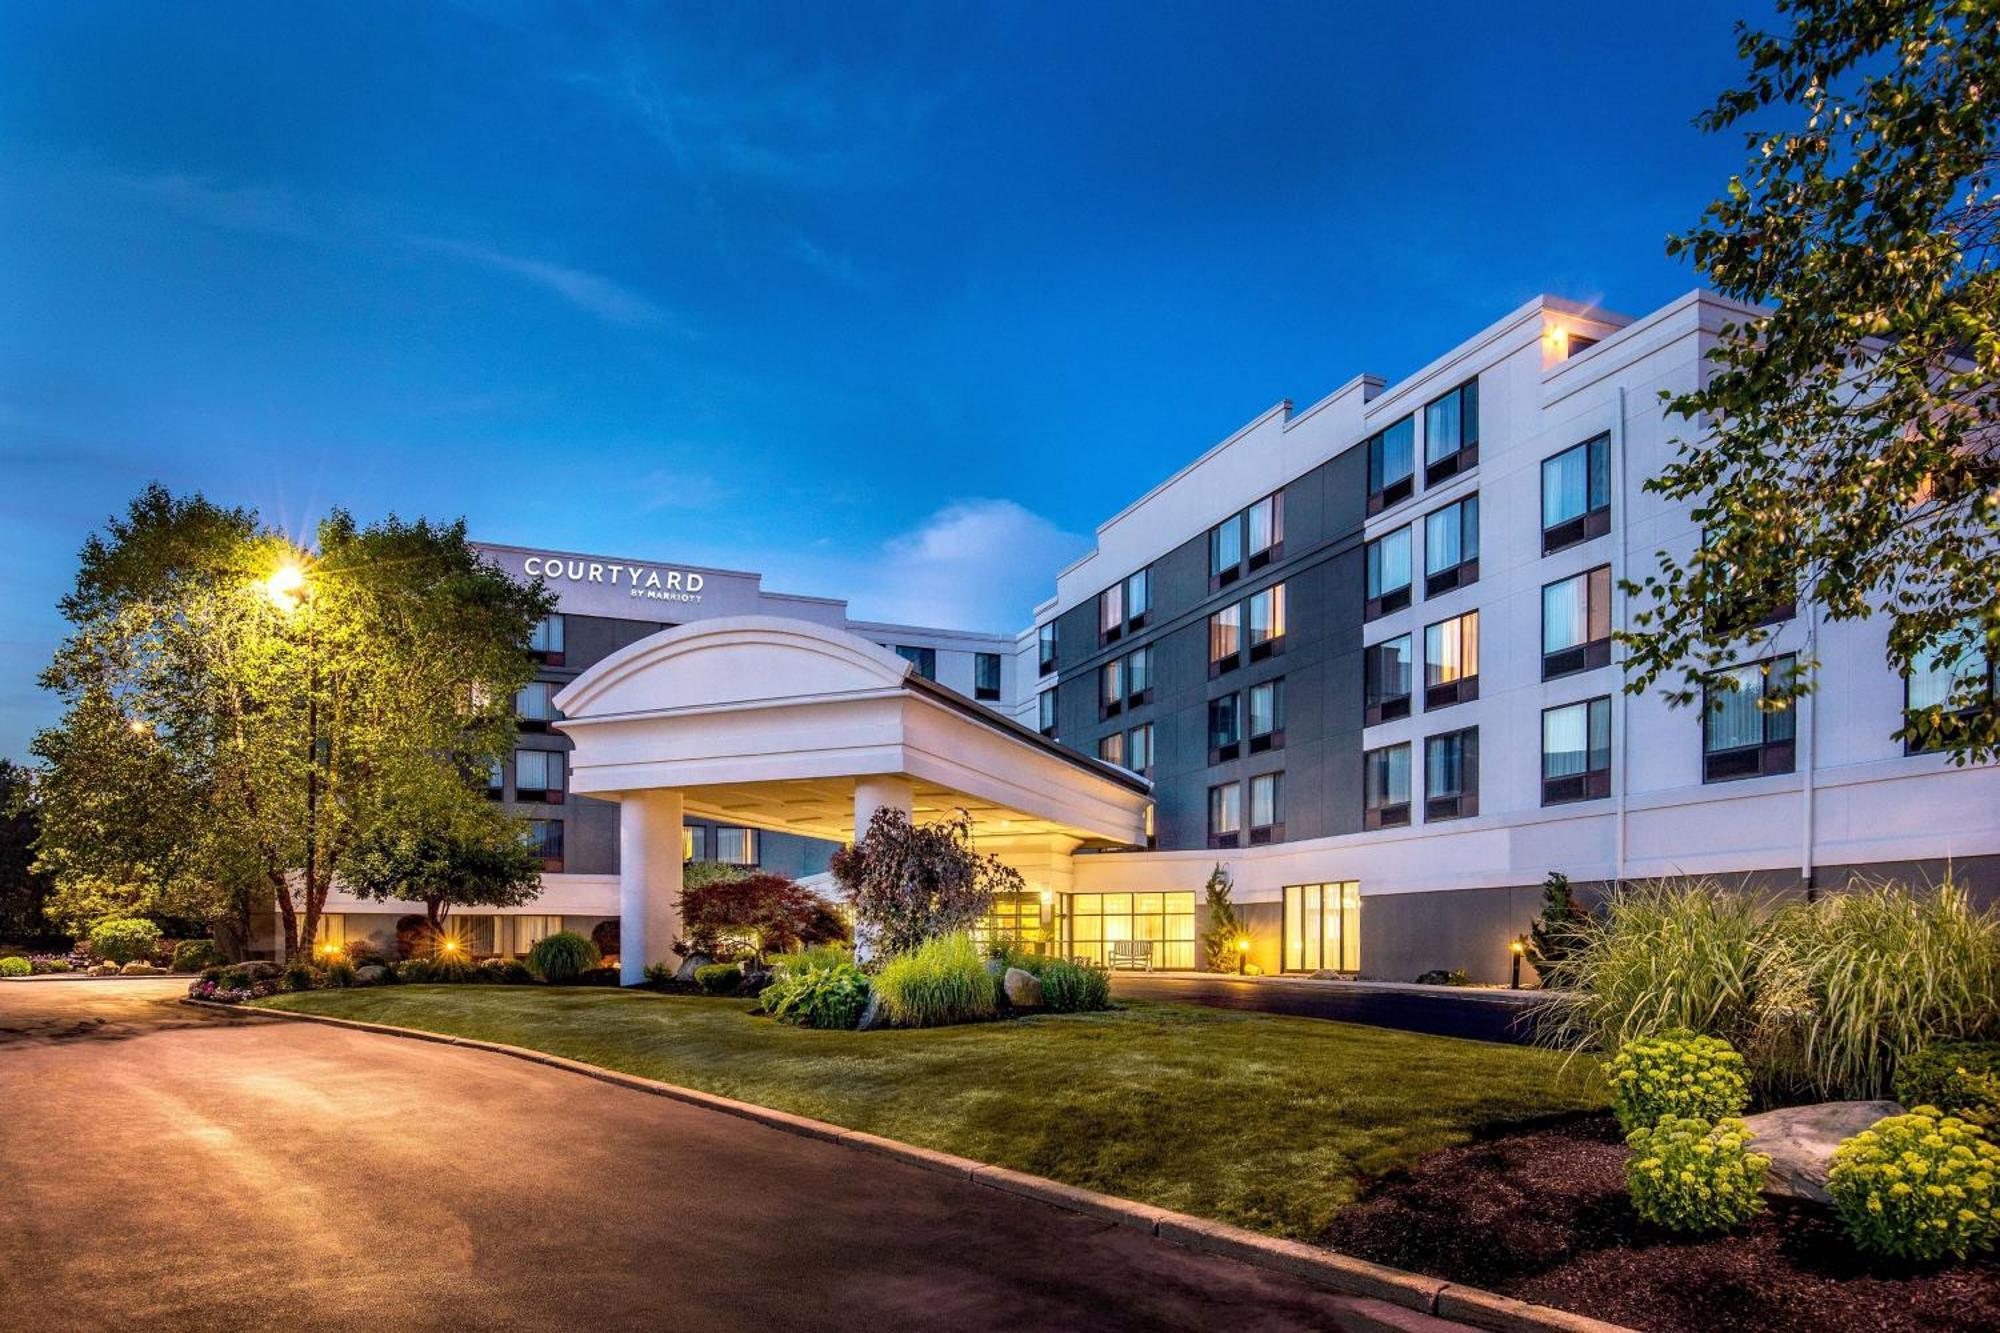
column 165, row 1167
column 1478, row 1014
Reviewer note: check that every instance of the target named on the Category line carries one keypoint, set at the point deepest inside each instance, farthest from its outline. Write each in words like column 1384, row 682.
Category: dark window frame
column 1464, row 803
column 1464, row 458
column 1466, row 687
column 1591, row 653
column 1389, row 600
column 1593, row 784
column 1910, row 746
column 1274, row 739
column 1768, row 757
column 1223, row 751
column 1593, row 522
column 1234, row 837
column 1393, row 814
column 1383, row 494
column 1264, row 834
column 1376, row 706
column 1046, row 648
column 982, row 692
column 1466, row 572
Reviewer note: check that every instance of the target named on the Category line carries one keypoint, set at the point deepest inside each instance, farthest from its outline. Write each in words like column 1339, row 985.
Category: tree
column 1846, row 444
column 1553, row 934
column 909, row 882
column 242, row 716
column 23, row 889
column 761, row 913
column 468, row 854
column 1225, row 924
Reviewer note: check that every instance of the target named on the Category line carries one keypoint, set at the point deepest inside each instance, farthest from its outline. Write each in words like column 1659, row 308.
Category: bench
column 1132, row 953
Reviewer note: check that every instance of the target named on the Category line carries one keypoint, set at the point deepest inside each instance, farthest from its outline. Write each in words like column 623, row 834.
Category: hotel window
column 1576, row 752
column 923, row 659
column 1322, row 927
column 1161, row 925
column 1451, row 433
column 547, row 639
column 1139, row 676
column 1385, row 680
column 534, row 705
column 736, row 846
column 1252, row 537
column 694, row 843
column 1392, row 465
column 1952, row 678
column 496, row 779
column 1388, row 563
column 1451, row 775
column 1451, row 661
column 1576, row 494
column 1111, row 613
column 1111, row 749
column 546, row 837
column 1735, row 604
column 986, row 676
column 1225, row 729
column 1576, row 623
column 1385, row 785
column 1045, row 644
column 1267, row 715
column 1740, row 738
column 1451, row 546
column 1225, row 551
column 1267, row 622
column 1045, row 712
column 1225, row 814
column 1225, row 639
column 1266, row 523
column 1138, row 598
column 538, row 776
column 1267, row 808
column 1139, row 748
column 1111, row 687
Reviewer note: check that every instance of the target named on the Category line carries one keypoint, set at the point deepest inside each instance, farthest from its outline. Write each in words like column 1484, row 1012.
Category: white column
column 649, row 881
column 877, row 793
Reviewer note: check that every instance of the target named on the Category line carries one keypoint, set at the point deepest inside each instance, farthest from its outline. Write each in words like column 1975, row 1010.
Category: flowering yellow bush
column 1918, row 1186
column 1677, row 1073
column 1689, row 1175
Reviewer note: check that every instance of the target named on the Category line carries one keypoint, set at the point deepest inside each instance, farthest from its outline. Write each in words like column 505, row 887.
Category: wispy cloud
column 589, row 292
column 268, row 209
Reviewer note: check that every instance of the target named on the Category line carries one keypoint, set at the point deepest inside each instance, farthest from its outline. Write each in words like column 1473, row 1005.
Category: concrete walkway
column 172, row 1168
column 1477, row 1013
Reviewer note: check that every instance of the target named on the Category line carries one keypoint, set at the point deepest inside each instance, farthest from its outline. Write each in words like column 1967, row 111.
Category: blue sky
column 891, row 303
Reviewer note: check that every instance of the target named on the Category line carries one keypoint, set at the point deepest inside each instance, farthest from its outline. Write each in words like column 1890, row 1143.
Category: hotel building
column 1360, row 653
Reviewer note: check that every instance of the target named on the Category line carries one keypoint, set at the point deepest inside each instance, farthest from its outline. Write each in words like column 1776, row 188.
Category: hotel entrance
column 1122, row 929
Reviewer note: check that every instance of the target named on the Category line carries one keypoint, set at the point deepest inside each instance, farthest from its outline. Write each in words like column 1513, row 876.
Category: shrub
column 661, row 974
column 605, row 935
column 300, row 977
column 817, row 995
column 1225, row 923
column 505, row 972
column 1438, row 976
column 561, row 958
column 757, row 915
column 911, row 883
column 1677, row 1074
column 1961, row 1077
column 235, row 978
column 417, row 971
column 43, row 966
column 718, row 978
column 942, row 980
column 597, row 976
column 1552, row 935
column 364, row 952
column 16, row 967
column 1687, row 1174
column 1074, row 988
column 413, row 936
column 197, row 956
column 1919, row 1186
column 124, row 939
column 339, row 973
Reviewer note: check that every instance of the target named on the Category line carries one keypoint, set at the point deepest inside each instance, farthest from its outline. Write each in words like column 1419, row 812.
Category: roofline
column 979, row 712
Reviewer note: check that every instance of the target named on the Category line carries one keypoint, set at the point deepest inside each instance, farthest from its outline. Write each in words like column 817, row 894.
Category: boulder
column 685, row 972
column 371, row 974
column 871, row 1016
column 1800, row 1141
column 1024, row 989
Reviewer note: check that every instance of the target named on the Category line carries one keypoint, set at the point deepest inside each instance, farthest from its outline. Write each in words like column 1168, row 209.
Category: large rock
column 685, row 972
column 871, row 1015
column 370, row 974
column 1800, row 1141
column 1024, row 989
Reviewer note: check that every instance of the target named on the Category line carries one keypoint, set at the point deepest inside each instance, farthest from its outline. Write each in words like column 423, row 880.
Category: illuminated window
column 1225, row 638
column 1111, row 749
column 1451, row 661
column 1155, row 927
column 1111, row 686
column 1111, row 612
column 1322, row 927
column 1745, row 731
column 736, row 846
column 1267, row 621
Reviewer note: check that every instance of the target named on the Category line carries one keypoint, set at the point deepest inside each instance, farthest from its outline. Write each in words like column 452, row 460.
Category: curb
column 1393, row 1288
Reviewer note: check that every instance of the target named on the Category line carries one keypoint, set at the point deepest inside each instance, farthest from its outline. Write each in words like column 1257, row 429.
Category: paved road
column 1482, row 1016
column 167, row 1168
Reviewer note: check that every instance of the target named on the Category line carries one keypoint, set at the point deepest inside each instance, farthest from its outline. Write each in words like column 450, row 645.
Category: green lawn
column 1262, row 1121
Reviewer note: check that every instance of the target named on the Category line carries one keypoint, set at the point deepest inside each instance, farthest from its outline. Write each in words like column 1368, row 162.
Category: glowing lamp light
column 451, row 946
column 286, row 587
column 1518, row 947
column 1242, row 954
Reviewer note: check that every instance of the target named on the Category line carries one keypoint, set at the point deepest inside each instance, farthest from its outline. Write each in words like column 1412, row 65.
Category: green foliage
column 417, row 971
column 1962, row 1077
column 1679, row 1075
column 505, row 972
column 561, row 958
column 598, row 976
column 1687, row 1174
column 24, row 890
column 197, row 956
column 1438, row 976
column 1553, row 933
column 235, row 978
column 817, row 994
column 1073, row 988
column 756, row 915
column 458, row 849
column 719, row 978
column 299, row 976
column 124, row 939
column 914, row 882
column 16, row 966
column 1842, row 450
column 1921, row 1186
column 1225, row 923
column 339, row 974
column 661, row 974
column 941, row 981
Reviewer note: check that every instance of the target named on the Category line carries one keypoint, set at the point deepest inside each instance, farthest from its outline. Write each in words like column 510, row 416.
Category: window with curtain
column 1267, row 714
column 538, row 775
column 1576, row 494
column 1139, row 674
column 1576, row 623
column 1451, row 433
column 1949, row 679
column 1392, row 464
column 1138, row 596
column 1387, row 564
column 547, row 638
column 1451, row 775
column 986, row 676
column 1322, row 925
column 1267, row 814
column 1267, row 620
column 1225, row 814
column 1225, row 638
column 1386, row 680
column 1740, row 737
column 1111, row 612
column 496, row 778
column 1576, row 751
column 1111, row 749
column 1451, row 546
column 1451, row 661
column 1111, row 686
column 694, row 843
column 1385, row 785
column 1045, row 712
column 1139, row 748
column 1266, row 523
column 1045, row 645
column 535, row 702
column 1225, row 727
column 736, row 846
column 1225, row 547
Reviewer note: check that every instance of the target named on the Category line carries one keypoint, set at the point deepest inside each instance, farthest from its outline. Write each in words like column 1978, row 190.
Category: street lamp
column 1518, row 948
column 286, row 587
column 1242, row 954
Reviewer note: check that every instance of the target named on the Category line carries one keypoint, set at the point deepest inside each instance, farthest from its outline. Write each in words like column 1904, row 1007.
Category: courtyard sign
column 648, row 581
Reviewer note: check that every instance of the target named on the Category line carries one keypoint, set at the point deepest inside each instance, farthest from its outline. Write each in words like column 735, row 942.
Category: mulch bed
column 1539, row 1212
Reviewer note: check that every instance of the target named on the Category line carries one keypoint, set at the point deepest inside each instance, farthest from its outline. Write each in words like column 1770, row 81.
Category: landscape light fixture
column 1242, row 954
column 1517, row 948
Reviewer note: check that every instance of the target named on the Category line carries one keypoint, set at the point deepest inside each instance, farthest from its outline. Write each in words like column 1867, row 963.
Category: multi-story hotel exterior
column 1362, row 652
